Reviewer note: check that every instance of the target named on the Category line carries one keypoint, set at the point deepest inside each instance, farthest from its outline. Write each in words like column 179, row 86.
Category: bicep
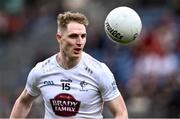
column 117, row 107
column 22, row 105
column 25, row 97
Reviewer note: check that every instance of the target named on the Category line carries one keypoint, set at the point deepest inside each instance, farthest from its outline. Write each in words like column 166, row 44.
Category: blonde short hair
column 67, row 17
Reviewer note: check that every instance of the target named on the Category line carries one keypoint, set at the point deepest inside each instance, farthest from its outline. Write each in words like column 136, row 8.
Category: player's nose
column 79, row 40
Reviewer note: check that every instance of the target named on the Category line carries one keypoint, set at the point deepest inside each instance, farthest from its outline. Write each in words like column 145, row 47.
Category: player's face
column 72, row 41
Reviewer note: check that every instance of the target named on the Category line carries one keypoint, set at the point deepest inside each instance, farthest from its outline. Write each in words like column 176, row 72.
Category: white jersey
column 74, row 93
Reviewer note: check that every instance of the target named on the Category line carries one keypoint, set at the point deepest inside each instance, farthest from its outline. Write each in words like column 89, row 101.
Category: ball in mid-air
column 123, row 25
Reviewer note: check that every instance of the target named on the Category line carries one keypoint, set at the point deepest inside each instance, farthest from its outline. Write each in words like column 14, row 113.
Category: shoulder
column 92, row 62
column 98, row 66
column 43, row 66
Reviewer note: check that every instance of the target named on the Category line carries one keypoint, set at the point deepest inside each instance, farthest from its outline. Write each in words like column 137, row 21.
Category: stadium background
column 147, row 72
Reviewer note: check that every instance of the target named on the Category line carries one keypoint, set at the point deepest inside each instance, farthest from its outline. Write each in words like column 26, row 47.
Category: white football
column 123, row 25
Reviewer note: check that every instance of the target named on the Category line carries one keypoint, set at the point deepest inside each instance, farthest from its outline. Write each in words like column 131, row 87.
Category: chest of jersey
column 68, row 93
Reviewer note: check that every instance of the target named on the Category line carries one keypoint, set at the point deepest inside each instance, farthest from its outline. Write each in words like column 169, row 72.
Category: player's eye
column 83, row 36
column 73, row 36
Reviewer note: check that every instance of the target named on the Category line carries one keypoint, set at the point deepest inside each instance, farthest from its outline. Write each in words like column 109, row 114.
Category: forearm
column 20, row 109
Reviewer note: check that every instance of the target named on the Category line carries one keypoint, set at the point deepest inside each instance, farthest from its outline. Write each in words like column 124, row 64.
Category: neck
column 66, row 62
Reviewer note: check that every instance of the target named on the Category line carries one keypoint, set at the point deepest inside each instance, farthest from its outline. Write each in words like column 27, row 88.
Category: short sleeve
column 108, row 87
column 31, row 84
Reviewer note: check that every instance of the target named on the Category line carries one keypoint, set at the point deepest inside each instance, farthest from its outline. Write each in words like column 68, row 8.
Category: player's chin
column 76, row 55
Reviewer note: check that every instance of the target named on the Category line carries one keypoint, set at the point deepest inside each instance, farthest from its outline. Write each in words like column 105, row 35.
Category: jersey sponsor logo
column 65, row 105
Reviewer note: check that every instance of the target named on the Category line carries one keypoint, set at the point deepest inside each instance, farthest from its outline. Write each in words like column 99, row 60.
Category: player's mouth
column 77, row 50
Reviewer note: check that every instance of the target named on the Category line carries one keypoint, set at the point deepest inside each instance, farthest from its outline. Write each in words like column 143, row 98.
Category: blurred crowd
column 146, row 71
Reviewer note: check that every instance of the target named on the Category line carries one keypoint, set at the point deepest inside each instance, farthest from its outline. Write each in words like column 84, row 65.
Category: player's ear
column 58, row 36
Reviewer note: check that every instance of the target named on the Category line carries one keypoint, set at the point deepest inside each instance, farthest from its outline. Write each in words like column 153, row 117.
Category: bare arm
column 22, row 105
column 118, row 108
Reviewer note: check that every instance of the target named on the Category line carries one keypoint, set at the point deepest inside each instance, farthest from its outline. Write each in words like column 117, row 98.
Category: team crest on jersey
column 65, row 105
column 83, row 84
